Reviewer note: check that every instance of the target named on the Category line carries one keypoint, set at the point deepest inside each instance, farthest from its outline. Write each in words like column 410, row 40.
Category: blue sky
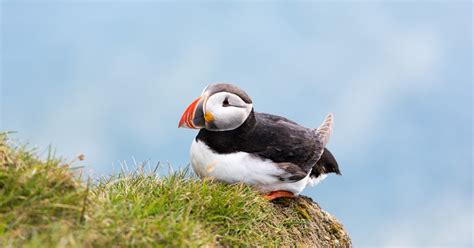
column 111, row 80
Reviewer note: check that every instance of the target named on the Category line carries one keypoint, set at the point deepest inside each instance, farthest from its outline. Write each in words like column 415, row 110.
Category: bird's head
column 221, row 107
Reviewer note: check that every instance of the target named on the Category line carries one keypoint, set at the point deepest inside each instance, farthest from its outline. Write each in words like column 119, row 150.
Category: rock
column 318, row 228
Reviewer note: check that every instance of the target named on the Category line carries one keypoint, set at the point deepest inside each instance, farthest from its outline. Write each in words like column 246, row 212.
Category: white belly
column 241, row 167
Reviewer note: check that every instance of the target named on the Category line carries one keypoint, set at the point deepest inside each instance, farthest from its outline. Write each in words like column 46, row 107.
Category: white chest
column 241, row 167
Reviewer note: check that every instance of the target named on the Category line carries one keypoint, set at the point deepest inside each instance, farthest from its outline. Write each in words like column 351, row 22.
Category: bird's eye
column 226, row 102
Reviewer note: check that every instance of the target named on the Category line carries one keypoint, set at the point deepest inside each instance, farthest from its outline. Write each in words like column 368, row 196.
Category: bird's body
column 241, row 167
column 267, row 151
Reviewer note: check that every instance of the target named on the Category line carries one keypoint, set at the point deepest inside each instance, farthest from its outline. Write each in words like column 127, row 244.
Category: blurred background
column 110, row 80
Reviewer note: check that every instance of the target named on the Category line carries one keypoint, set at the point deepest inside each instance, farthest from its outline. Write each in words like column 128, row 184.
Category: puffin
column 235, row 144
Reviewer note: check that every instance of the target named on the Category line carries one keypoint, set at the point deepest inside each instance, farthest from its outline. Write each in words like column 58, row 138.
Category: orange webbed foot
column 278, row 194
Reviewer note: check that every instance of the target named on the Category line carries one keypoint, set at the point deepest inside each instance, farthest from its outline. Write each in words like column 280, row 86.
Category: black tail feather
column 326, row 164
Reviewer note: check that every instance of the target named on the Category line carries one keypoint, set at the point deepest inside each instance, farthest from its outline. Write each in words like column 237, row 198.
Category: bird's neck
column 244, row 129
column 248, row 125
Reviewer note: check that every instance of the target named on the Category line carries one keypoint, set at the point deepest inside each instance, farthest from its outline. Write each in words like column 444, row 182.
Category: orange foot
column 278, row 194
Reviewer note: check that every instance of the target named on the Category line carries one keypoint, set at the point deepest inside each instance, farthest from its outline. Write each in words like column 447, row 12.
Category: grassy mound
column 43, row 204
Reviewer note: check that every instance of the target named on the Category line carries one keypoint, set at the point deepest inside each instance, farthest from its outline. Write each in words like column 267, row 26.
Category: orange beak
column 193, row 116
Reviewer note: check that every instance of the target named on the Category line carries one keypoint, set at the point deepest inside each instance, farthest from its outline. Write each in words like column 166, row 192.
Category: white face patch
column 228, row 111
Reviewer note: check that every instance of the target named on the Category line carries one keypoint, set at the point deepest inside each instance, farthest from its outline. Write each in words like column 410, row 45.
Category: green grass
column 44, row 204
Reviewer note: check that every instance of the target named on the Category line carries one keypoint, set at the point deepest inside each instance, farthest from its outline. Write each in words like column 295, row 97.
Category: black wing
column 284, row 141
